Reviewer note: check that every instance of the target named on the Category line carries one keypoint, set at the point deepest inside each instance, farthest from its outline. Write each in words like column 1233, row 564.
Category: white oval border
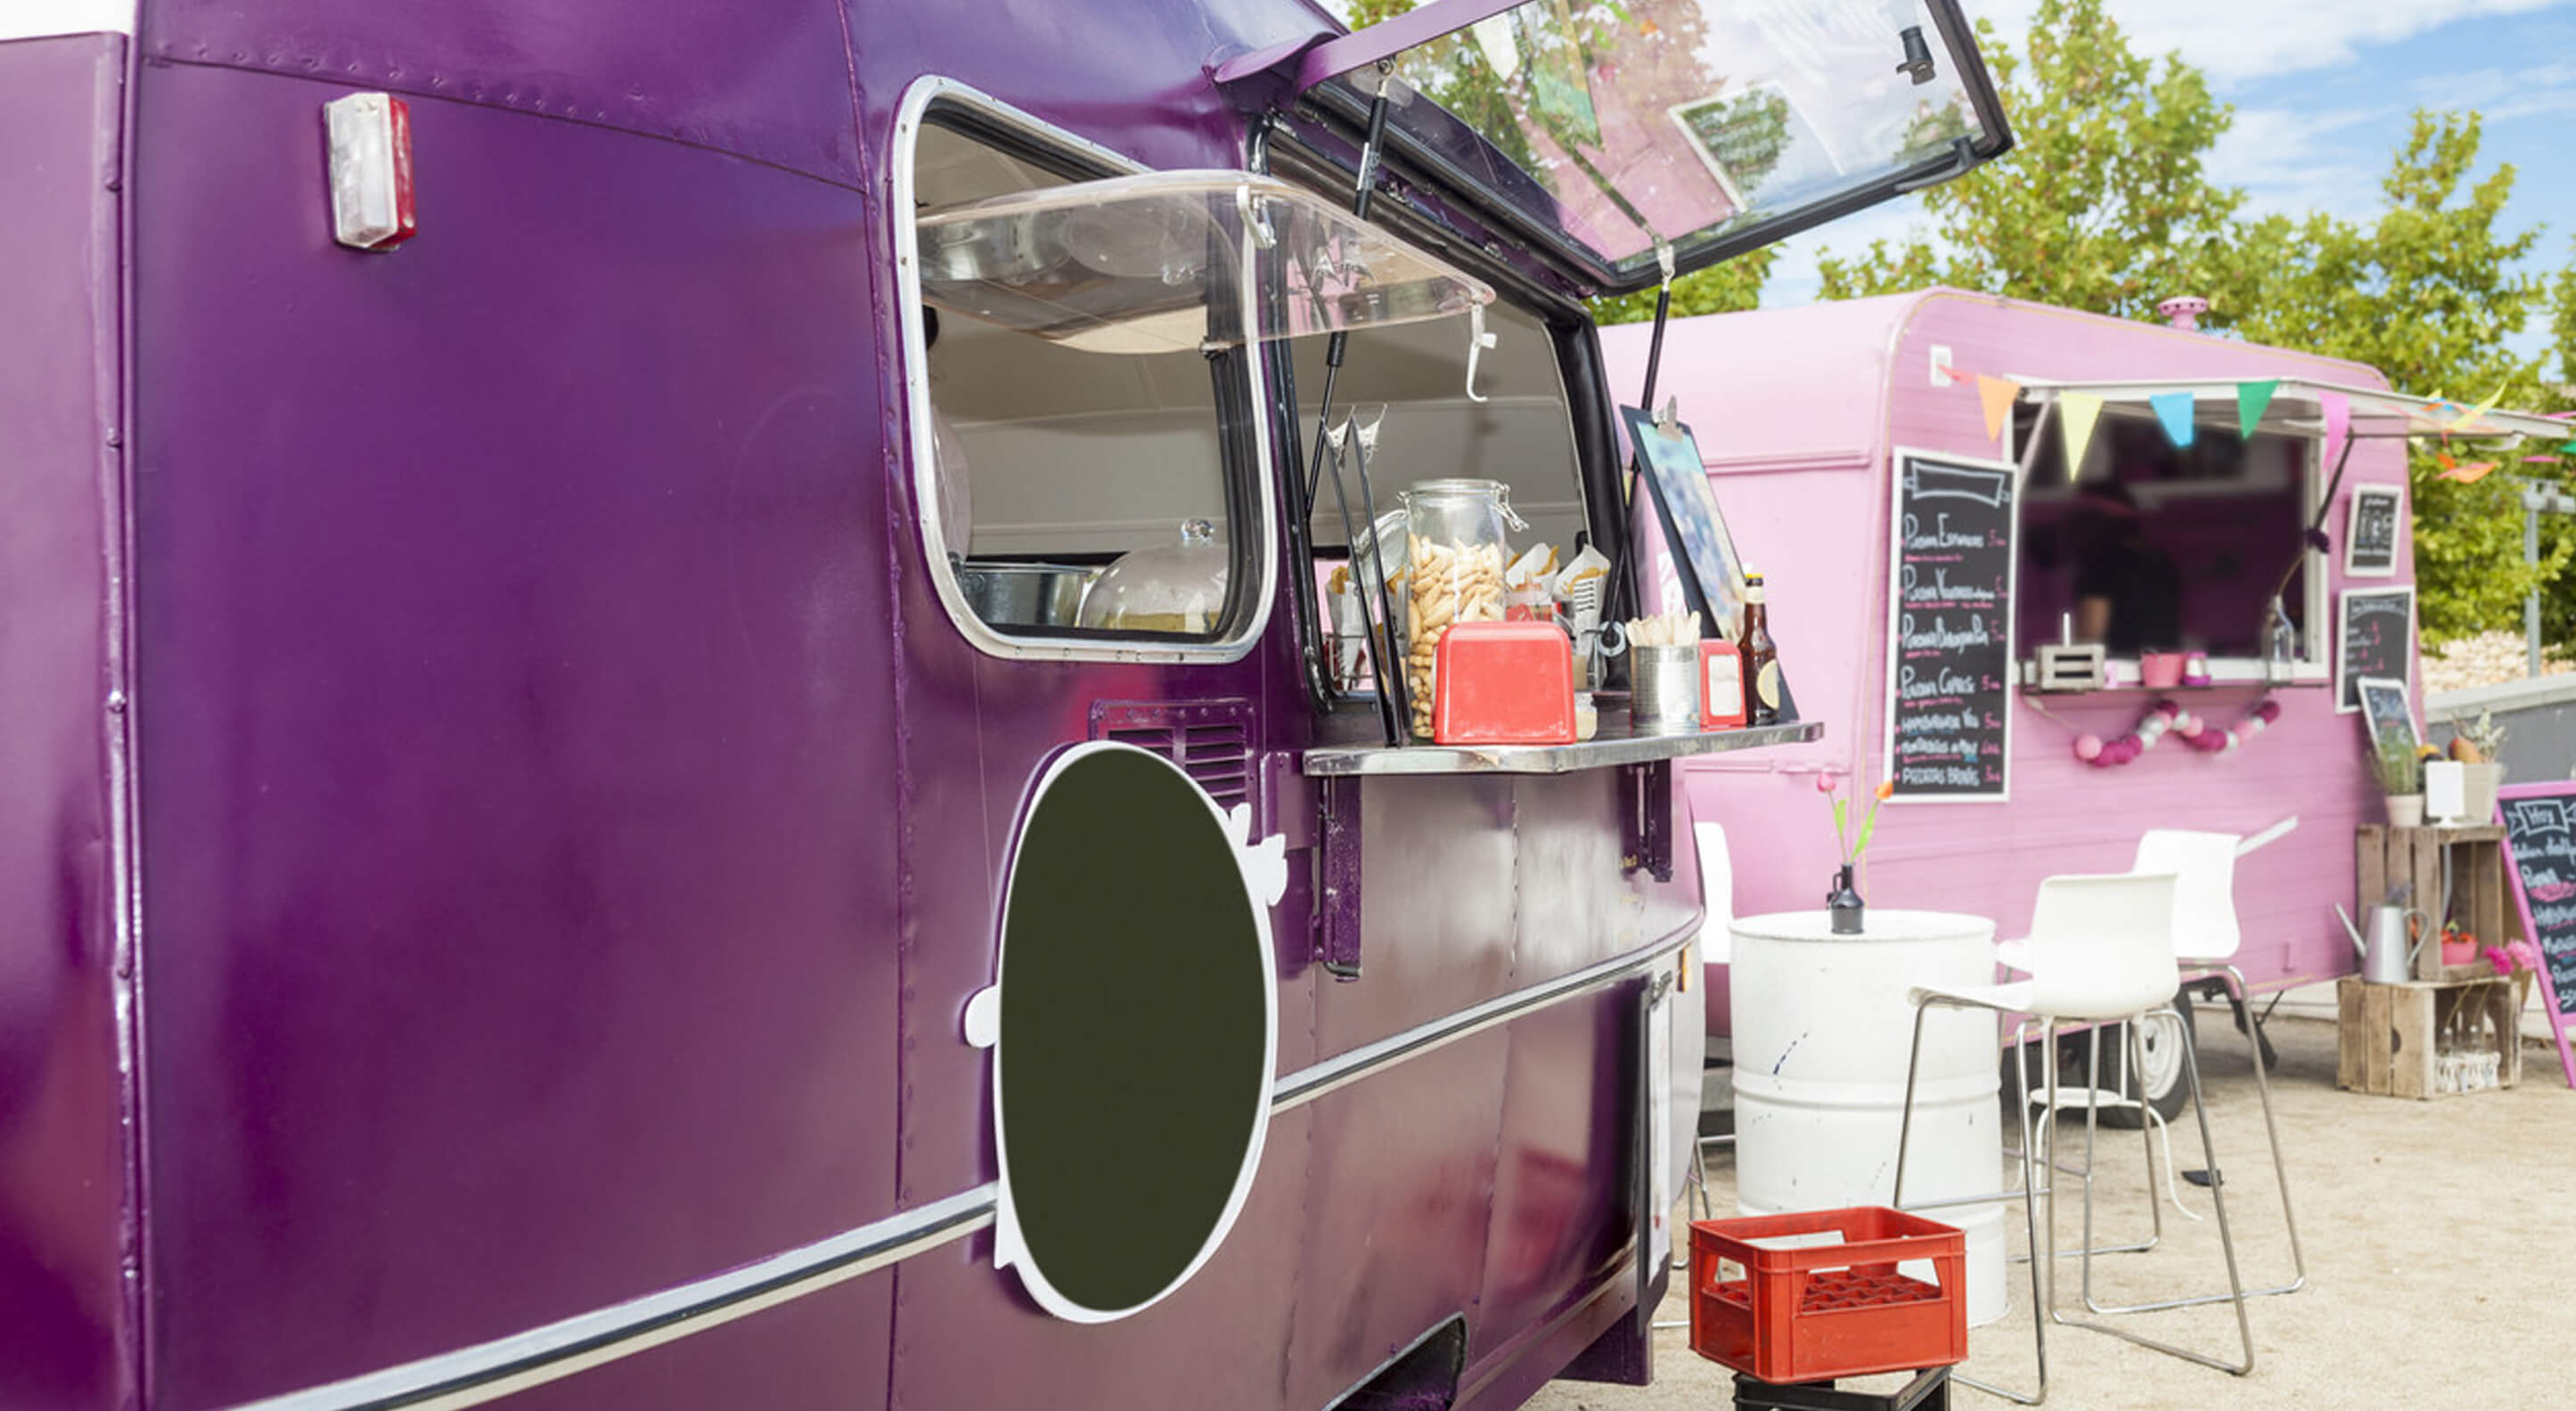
column 1264, row 872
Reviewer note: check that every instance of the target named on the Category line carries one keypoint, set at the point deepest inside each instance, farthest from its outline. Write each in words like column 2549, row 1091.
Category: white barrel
column 1821, row 1031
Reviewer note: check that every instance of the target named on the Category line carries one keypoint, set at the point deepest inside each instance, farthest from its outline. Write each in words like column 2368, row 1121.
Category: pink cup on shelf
column 2160, row 671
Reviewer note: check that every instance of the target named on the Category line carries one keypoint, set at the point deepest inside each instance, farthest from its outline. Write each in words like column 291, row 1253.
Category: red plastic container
column 1504, row 683
column 1828, row 1309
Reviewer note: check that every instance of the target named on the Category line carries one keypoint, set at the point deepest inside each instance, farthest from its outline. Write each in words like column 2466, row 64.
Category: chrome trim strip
column 473, row 1375
column 1308, row 1084
column 488, row 1371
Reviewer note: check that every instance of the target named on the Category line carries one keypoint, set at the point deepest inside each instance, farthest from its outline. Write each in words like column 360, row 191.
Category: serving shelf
column 1614, row 743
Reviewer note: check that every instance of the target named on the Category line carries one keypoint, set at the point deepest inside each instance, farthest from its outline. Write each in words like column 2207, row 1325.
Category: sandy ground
column 2437, row 1237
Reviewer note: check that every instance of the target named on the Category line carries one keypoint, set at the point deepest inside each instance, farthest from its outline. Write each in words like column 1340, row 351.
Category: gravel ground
column 2434, row 1234
column 2487, row 659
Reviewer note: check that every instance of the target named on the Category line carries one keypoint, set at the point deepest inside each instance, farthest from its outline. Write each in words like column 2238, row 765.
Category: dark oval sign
column 1134, row 1033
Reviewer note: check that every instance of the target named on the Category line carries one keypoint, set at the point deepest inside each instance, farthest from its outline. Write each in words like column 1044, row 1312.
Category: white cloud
column 20, row 19
column 2503, row 95
column 1794, row 279
column 2235, row 40
column 2293, row 162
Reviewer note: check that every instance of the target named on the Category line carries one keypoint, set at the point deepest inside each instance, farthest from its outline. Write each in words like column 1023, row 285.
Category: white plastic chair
column 2206, row 938
column 1716, row 947
column 2100, row 950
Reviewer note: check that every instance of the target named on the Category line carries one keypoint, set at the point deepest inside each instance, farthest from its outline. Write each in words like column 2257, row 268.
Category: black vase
column 1844, row 903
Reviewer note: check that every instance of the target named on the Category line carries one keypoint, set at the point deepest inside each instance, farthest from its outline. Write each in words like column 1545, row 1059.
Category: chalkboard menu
column 2374, row 636
column 1950, row 613
column 2540, row 861
column 2370, row 531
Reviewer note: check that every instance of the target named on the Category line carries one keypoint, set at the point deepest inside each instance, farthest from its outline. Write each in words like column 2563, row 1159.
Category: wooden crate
column 2479, row 902
column 2393, row 1036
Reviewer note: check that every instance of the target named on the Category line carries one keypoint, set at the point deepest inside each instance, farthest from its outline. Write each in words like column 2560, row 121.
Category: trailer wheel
column 2160, row 1074
column 2163, row 1038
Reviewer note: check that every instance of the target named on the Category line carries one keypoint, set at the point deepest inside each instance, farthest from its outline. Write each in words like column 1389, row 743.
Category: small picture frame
column 1676, row 479
column 2372, row 515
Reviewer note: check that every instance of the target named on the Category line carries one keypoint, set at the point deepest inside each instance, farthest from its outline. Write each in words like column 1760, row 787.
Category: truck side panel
column 515, row 685
column 66, row 1336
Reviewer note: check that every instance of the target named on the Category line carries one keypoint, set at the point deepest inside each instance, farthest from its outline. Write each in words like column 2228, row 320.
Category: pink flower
column 1824, row 783
column 2503, row 963
column 2526, row 956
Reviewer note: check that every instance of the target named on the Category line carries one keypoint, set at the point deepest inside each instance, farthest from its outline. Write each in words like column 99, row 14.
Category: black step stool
column 1929, row 1391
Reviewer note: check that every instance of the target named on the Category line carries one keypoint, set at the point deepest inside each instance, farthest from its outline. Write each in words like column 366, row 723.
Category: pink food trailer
column 1844, row 440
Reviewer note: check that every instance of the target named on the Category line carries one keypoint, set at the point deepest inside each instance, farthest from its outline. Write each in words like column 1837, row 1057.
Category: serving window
column 2152, row 547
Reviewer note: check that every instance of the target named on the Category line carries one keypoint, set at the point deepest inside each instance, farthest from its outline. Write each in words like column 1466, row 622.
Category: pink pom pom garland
column 2165, row 717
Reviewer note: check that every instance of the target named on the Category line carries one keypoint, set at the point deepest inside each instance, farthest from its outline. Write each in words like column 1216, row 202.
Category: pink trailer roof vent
column 2184, row 311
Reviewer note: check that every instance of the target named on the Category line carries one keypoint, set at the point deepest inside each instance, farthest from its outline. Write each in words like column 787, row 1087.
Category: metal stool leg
column 2280, row 1172
column 2031, row 1191
column 2226, row 1244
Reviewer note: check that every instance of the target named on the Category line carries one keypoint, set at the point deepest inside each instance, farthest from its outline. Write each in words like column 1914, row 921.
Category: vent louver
column 1210, row 740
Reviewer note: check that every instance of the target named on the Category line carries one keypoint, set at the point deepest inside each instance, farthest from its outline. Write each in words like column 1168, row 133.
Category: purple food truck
column 665, row 742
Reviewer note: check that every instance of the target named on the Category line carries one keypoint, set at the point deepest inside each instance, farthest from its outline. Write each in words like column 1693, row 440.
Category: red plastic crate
column 1828, row 1310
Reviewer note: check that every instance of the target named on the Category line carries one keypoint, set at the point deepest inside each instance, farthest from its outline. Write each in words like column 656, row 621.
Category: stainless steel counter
column 1613, row 744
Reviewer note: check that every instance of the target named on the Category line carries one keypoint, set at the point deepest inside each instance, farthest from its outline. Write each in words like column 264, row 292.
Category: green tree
column 2106, row 203
column 2562, row 325
column 2426, row 293
column 1718, row 289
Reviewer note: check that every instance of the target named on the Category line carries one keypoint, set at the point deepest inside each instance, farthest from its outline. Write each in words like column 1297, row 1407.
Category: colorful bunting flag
column 2469, row 474
column 2081, row 410
column 1997, row 394
column 2338, row 410
column 2251, row 399
column 2174, row 410
column 2479, row 412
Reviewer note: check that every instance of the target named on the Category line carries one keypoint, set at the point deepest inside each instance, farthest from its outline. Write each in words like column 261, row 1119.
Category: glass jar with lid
column 1456, row 547
column 1177, row 588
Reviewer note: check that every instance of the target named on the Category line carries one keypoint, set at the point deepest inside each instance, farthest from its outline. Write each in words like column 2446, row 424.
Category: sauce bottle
column 1761, row 657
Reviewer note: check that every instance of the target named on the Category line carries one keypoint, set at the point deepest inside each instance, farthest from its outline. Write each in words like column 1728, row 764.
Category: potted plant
column 2401, row 777
column 2476, row 744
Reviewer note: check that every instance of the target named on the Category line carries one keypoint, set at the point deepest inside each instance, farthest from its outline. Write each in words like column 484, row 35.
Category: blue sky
column 2323, row 90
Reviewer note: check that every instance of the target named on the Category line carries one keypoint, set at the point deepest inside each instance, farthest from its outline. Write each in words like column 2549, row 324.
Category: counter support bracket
column 1337, row 925
column 1646, row 818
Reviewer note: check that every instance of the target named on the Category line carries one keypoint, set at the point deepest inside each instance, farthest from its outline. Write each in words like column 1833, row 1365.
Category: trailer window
column 1075, row 502
column 2153, row 547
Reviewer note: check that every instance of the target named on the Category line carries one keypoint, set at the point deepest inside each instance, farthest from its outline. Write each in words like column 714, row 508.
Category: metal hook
column 1478, row 340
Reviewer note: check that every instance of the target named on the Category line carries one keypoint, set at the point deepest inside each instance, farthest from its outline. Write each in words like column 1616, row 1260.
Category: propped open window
column 1708, row 126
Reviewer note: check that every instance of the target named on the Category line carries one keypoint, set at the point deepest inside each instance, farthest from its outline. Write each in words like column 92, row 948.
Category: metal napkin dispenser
column 2071, row 666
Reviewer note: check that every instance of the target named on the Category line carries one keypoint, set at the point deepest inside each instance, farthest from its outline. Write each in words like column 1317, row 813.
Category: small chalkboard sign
column 2370, row 531
column 2374, row 636
column 2540, row 861
column 1950, row 628
column 2388, row 713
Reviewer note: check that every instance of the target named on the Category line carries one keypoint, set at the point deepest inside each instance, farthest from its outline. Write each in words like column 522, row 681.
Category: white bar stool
column 2205, row 940
column 2100, row 950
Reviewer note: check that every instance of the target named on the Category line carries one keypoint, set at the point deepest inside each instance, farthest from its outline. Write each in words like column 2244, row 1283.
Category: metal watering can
column 2386, row 959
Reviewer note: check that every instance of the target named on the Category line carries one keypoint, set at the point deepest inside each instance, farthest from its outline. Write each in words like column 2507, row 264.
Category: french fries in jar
column 1456, row 557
